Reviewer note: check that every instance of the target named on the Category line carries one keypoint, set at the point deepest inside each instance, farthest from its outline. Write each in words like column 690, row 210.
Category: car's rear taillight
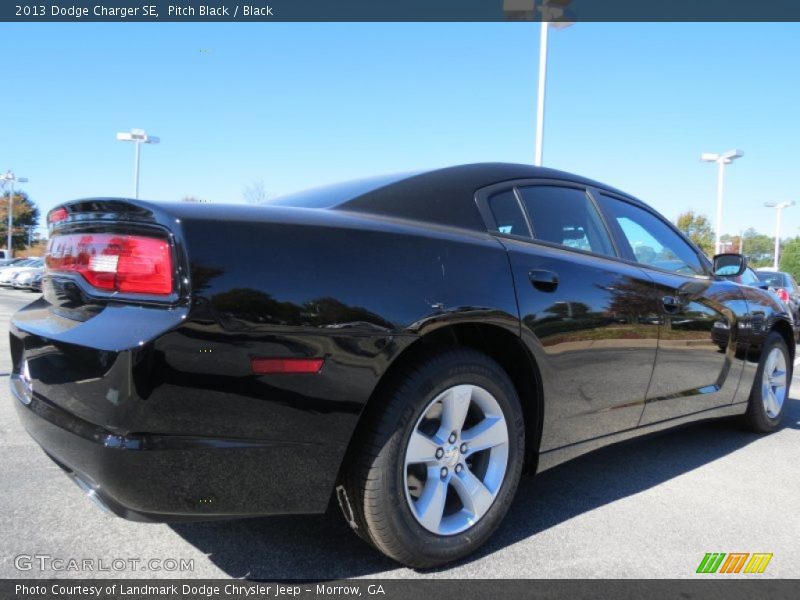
column 57, row 214
column 782, row 294
column 114, row 262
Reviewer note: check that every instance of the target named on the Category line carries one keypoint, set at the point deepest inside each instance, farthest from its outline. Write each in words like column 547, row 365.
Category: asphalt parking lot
column 650, row 508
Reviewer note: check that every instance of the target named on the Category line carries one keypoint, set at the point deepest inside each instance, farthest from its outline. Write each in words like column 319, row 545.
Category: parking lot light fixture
column 138, row 137
column 722, row 159
column 778, row 206
column 9, row 178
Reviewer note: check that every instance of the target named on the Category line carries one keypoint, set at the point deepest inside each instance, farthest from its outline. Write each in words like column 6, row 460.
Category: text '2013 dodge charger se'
column 405, row 346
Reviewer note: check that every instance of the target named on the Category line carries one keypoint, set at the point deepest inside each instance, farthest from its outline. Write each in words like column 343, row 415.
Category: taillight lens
column 114, row 263
column 57, row 214
column 782, row 294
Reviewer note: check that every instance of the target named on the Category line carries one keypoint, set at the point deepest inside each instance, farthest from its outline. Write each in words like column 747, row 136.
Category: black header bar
column 400, row 10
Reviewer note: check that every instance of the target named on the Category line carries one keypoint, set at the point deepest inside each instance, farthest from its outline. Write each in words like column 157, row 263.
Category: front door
column 696, row 366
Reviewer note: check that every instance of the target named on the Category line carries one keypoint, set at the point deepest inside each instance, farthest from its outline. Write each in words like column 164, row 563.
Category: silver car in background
column 8, row 274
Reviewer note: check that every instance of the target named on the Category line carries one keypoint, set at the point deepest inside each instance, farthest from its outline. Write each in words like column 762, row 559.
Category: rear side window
column 652, row 242
column 566, row 216
column 507, row 214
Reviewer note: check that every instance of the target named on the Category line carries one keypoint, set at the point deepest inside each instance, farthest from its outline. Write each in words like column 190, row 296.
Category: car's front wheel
column 437, row 463
column 765, row 408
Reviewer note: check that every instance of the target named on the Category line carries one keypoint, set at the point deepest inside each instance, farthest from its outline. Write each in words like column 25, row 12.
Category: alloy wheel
column 456, row 459
column 773, row 383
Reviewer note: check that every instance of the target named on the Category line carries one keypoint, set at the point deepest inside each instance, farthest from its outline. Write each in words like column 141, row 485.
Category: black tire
column 756, row 418
column 372, row 489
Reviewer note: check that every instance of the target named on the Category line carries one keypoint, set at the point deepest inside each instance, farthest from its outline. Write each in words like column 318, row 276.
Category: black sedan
column 407, row 346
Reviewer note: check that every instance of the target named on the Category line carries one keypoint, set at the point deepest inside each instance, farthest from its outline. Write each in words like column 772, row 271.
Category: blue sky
column 298, row 105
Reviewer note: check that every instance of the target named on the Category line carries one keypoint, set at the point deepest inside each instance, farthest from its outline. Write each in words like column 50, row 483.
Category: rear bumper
column 166, row 478
column 160, row 416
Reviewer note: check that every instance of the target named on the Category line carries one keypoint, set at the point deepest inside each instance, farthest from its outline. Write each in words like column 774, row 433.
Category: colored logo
column 735, row 562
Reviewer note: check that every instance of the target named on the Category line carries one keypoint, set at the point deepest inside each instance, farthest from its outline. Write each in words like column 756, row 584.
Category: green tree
column 790, row 257
column 731, row 243
column 698, row 229
column 25, row 220
column 758, row 248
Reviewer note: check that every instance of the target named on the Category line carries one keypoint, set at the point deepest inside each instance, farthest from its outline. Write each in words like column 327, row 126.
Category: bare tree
column 255, row 193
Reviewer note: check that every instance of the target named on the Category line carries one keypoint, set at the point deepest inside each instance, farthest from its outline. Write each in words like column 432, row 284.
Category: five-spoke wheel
column 438, row 461
column 456, row 459
column 766, row 405
column 773, row 382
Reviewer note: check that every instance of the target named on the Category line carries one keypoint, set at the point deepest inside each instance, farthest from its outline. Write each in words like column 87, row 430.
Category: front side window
column 652, row 242
column 566, row 216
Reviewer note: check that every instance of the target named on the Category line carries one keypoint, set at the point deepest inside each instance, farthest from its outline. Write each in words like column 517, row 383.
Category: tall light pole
column 547, row 13
column 9, row 178
column 138, row 137
column 552, row 15
column 723, row 159
column 778, row 206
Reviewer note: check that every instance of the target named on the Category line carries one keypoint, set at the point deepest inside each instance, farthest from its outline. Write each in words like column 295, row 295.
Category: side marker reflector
column 269, row 366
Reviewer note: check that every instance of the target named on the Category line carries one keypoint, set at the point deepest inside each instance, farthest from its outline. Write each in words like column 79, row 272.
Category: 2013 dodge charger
column 405, row 346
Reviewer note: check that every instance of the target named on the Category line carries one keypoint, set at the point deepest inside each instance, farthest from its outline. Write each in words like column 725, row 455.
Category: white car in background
column 24, row 280
column 7, row 274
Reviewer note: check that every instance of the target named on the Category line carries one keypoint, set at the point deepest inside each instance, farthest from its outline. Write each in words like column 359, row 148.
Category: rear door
column 696, row 366
column 594, row 316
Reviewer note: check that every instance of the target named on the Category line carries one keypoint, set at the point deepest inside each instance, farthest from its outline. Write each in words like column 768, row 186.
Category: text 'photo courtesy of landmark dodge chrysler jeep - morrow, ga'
column 403, row 346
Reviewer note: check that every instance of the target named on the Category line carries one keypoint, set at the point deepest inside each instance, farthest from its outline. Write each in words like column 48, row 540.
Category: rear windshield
column 772, row 279
column 332, row 195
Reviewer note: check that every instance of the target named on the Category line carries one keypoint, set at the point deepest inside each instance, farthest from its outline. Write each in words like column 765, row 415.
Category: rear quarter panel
column 261, row 282
column 354, row 291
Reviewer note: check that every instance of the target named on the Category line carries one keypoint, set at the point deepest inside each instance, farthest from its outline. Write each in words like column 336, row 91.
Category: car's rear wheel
column 765, row 407
column 436, row 466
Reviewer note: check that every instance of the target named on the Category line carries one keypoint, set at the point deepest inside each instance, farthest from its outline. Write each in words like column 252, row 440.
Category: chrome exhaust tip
column 90, row 491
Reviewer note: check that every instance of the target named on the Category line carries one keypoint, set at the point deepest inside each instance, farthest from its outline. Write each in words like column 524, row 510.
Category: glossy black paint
column 151, row 401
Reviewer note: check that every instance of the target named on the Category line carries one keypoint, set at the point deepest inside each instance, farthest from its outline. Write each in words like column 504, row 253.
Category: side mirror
column 729, row 265
column 762, row 285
